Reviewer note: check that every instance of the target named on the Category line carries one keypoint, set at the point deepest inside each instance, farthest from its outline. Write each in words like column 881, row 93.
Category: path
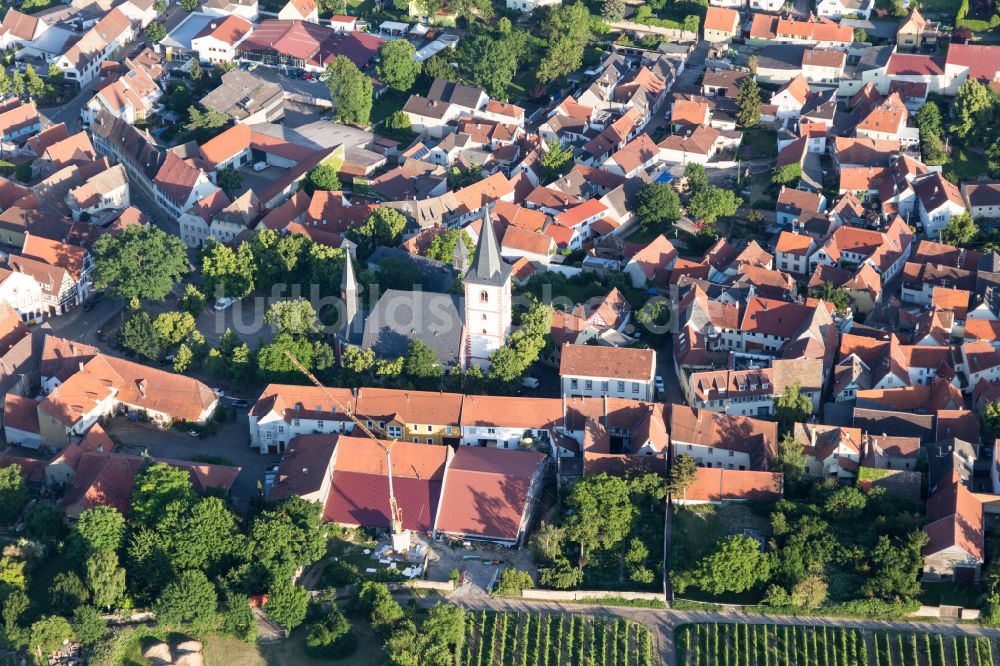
column 663, row 622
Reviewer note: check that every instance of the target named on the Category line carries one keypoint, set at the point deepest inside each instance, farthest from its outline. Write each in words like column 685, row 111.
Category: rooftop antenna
column 400, row 536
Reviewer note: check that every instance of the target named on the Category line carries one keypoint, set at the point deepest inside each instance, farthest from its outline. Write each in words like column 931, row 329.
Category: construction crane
column 400, row 536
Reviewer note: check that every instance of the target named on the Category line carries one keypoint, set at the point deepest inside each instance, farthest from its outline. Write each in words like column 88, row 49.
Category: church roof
column 399, row 316
column 488, row 267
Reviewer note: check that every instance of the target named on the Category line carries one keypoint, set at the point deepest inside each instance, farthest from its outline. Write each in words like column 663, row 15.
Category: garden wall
column 671, row 33
column 576, row 595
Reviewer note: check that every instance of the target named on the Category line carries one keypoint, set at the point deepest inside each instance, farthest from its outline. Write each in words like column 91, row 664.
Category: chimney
column 80, row 366
column 142, row 387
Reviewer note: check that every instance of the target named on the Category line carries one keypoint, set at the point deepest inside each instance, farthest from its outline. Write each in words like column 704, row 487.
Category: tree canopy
column 397, row 68
column 142, row 262
column 350, row 91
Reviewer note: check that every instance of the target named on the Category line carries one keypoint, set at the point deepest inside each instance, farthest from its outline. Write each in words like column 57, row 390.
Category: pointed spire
column 488, row 267
column 460, row 257
column 349, row 292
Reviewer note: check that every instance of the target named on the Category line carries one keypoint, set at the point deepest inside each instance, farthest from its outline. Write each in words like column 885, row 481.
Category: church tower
column 349, row 292
column 487, row 298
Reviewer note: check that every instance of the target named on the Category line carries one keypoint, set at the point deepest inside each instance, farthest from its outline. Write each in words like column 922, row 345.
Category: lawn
column 704, row 644
column 966, row 165
column 390, row 102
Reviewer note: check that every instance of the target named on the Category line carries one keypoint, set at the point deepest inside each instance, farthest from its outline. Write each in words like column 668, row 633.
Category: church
column 462, row 331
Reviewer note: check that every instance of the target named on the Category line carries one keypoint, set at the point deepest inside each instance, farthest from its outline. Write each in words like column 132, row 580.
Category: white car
column 658, row 382
column 223, row 303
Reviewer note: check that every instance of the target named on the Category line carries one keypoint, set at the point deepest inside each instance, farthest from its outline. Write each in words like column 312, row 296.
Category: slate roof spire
column 488, row 266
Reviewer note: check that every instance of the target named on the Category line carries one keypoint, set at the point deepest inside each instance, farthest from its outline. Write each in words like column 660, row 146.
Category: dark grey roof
column 946, row 455
column 434, row 275
column 455, row 93
column 781, row 56
column 821, row 105
column 399, row 316
column 990, row 262
column 241, row 93
column 875, row 57
column 488, row 267
column 134, row 145
column 895, row 424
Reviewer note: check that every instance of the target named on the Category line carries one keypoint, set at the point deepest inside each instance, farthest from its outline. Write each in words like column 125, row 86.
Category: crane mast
column 400, row 536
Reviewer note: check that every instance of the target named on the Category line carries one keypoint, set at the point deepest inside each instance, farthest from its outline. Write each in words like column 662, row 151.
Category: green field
column 523, row 639
column 771, row 645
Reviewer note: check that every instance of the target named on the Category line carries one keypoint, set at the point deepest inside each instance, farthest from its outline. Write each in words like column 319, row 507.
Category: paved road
column 663, row 622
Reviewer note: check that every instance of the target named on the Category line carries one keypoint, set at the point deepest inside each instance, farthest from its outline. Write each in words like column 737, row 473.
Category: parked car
column 531, row 382
column 240, row 404
column 223, row 303
column 89, row 304
column 194, row 433
column 260, row 166
column 658, row 381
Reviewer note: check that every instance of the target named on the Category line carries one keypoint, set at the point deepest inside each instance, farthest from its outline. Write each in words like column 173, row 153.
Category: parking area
column 232, row 443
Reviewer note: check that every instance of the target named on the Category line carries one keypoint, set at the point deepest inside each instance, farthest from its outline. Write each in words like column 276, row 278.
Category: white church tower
column 487, row 299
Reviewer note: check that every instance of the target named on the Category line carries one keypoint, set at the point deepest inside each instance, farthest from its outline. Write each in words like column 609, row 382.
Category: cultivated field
column 523, row 639
column 771, row 645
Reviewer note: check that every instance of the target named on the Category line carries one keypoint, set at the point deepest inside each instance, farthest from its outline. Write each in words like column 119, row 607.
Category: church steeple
column 349, row 292
column 488, row 266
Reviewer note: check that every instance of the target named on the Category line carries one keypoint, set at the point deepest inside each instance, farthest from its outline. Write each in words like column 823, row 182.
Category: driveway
column 231, row 443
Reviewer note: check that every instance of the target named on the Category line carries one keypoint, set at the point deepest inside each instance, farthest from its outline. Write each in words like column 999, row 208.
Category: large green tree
column 156, row 486
column 141, row 262
column 492, row 64
column 683, row 471
column 960, row 230
column 100, row 528
column 972, row 110
column 189, row 601
column 711, row 203
column 13, row 494
column 294, row 316
column 792, row 407
column 601, row 513
column 736, row 565
column 656, row 204
column 139, row 337
column 227, row 270
column 106, row 579
column 287, row 604
column 397, row 68
column 350, row 91
column 384, row 227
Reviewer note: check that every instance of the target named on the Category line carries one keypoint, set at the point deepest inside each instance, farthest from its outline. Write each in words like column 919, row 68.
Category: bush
column 331, row 637
column 514, row 581
column 88, row 625
column 341, row 573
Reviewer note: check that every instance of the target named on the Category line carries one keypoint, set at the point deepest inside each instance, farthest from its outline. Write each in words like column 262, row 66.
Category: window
column 485, row 317
column 635, row 387
column 269, row 434
column 690, row 447
column 621, row 387
column 604, row 387
column 281, row 430
column 295, row 422
column 484, row 296
column 572, row 383
column 447, row 430
column 430, row 440
column 319, row 425
column 491, row 431
column 732, row 453
column 590, row 385
column 416, row 440
column 395, row 432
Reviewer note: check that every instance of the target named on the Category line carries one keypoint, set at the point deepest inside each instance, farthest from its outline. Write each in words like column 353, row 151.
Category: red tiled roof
column 486, row 492
column 712, row 484
column 611, row 362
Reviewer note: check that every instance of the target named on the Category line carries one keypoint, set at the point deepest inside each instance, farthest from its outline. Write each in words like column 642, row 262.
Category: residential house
column 721, row 24
column 587, row 370
column 982, row 199
column 722, row 441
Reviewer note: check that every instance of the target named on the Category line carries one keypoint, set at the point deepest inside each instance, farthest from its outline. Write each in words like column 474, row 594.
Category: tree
column 4, row 83
column 193, row 301
column 49, row 634
column 141, row 262
column 332, row 637
column 736, row 565
column 17, row 84
column 384, row 611
column 203, row 125
column 189, row 601
column 656, row 204
column 895, row 569
column 791, row 457
column 293, row 316
column 155, row 31
column 421, row 361
column 613, row 10
column 602, row 513
column 787, row 174
column 55, row 78
column 100, row 528
column 231, row 270
column 682, row 474
column 34, row 83
column 809, row 593
column 564, row 57
column 350, row 91
column 513, row 582
column 290, row 535
column 106, row 579
column 398, row 120
column 697, row 177
column 748, row 101
column 792, row 407
column 491, row 63
column 860, row 35
column 88, row 625
column 384, row 227
column 173, row 326
column 139, row 337
column 561, row 575
column 845, row 503
column 442, row 247
column 960, row 230
column 183, row 359
column 324, row 176
column 13, row 494
column 212, row 539
column 547, row 541
column 556, row 160
column 971, row 110
column 711, row 203
column 190, row 5
column 991, row 418
column 156, row 486
column 397, row 68
column 273, row 361
column 827, row 292
column 437, row 67
column 67, row 592
column 229, row 179
column 44, row 522
column 238, row 619
column 287, row 604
